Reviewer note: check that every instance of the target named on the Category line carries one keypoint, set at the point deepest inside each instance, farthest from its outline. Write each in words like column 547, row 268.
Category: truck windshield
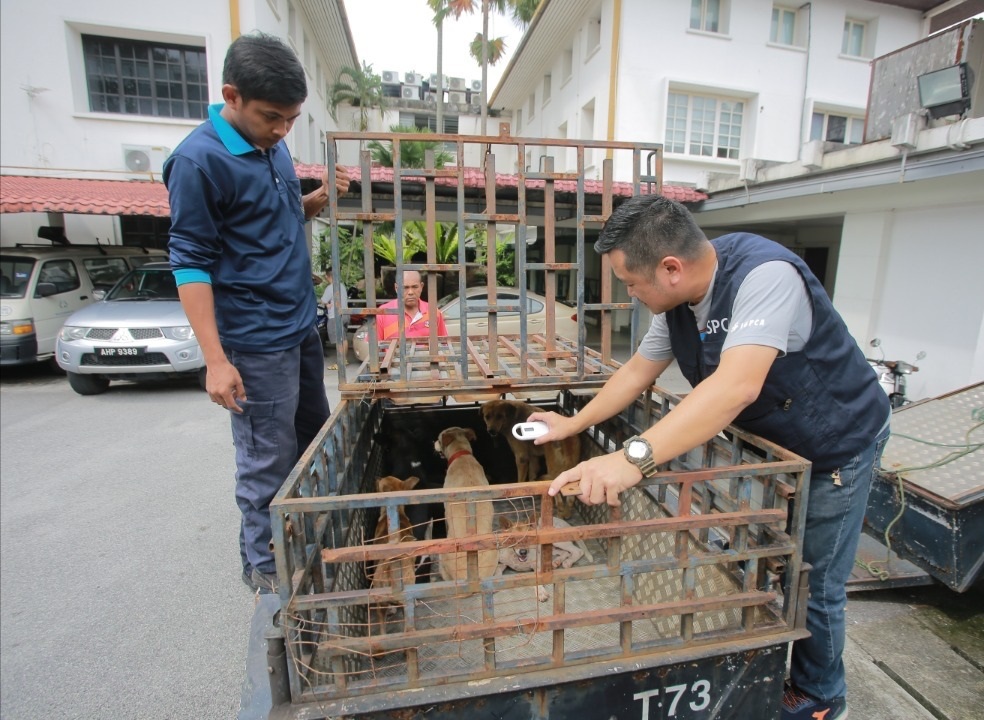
column 16, row 272
column 145, row 284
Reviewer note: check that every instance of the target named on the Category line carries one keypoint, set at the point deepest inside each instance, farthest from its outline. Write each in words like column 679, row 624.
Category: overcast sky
column 400, row 35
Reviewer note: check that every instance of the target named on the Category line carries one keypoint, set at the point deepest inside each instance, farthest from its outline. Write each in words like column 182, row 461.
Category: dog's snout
column 522, row 553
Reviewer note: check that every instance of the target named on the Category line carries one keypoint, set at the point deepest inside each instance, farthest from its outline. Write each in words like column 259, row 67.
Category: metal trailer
column 695, row 586
column 927, row 502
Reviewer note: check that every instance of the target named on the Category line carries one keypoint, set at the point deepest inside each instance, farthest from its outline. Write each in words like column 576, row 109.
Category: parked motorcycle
column 892, row 375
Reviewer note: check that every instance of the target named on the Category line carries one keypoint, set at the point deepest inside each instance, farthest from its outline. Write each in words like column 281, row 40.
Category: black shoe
column 797, row 705
column 248, row 578
column 265, row 583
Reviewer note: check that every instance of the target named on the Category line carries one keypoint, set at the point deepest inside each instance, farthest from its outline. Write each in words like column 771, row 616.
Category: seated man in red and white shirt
column 416, row 316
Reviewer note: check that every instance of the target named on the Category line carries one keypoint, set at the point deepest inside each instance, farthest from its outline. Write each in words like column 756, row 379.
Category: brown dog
column 387, row 573
column 560, row 455
column 464, row 471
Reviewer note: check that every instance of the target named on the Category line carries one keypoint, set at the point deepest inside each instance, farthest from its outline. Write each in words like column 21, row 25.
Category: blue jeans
column 285, row 407
column 833, row 529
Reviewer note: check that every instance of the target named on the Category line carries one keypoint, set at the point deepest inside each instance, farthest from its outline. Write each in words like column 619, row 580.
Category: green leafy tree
column 360, row 88
column 411, row 151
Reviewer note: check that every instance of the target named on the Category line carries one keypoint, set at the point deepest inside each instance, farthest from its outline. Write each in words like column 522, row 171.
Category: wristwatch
column 639, row 452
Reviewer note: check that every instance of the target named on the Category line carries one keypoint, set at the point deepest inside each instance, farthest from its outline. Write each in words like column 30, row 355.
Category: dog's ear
column 504, row 522
column 411, row 482
column 470, row 434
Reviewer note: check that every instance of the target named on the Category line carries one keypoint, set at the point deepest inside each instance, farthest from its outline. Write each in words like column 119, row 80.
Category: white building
column 716, row 81
column 765, row 105
column 105, row 89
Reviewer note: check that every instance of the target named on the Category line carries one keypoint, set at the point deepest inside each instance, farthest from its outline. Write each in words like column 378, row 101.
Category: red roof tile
column 475, row 178
column 140, row 197
column 84, row 197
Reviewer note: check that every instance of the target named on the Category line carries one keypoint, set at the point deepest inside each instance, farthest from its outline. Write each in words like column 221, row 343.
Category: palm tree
column 363, row 89
column 441, row 9
column 411, row 151
column 484, row 50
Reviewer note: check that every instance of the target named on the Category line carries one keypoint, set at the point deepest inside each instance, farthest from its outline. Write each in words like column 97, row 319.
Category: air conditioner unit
column 412, row 78
column 457, row 98
column 410, row 92
column 476, row 86
column 143, row 161
column 391, row 77
column 748, row 170
column 433, row 81
column 458, row 84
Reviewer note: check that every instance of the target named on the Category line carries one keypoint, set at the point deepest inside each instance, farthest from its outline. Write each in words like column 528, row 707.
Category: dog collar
column 458, row 455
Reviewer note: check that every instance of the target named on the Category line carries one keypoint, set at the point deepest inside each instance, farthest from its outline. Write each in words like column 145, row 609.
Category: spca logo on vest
column 724, row 325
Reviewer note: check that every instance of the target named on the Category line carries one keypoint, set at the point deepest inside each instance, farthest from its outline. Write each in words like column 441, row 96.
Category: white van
column 41, row 286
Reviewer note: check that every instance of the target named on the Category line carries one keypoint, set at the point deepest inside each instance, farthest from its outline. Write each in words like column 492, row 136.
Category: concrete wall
column 923, row 268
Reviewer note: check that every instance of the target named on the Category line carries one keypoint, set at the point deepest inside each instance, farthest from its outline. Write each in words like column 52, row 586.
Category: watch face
column 637, row 450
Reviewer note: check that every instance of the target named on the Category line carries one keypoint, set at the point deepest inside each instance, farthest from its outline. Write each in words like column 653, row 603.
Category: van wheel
column 202, row 374
column 88, row 384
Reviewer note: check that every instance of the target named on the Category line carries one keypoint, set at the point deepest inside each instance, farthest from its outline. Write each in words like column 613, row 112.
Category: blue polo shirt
column 237, row 221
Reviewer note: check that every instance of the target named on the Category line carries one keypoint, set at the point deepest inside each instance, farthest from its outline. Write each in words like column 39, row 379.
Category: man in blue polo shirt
column 755, row 333
column 240, row 257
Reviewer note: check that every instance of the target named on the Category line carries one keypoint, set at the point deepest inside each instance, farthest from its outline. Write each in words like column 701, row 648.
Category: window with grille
column 136, row 77
column 853, row 42
column 847, row 129
column 709, row 15
column 704, row 126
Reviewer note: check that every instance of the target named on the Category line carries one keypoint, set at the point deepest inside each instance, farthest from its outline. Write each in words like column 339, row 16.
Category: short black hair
column 647, row 228
column 262, row 67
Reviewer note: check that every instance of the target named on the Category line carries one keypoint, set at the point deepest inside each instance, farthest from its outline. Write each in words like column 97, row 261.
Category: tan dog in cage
column 464, row 471
column 561, row 455
column 397, row 571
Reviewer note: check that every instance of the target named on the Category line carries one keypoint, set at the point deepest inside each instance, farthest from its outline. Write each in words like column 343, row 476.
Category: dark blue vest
column 823, row 402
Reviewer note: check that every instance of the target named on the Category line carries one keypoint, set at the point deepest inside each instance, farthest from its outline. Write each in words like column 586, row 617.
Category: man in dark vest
column 755, row 333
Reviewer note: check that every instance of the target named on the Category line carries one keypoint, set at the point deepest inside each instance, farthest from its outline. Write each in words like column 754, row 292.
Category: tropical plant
column 411, row 151
column 497, row 48
column 505, row 255
column 360, row 88
column 384, row 247
column 350, row 253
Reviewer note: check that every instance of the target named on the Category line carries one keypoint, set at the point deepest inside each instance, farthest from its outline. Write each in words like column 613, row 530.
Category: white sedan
column 478, row 320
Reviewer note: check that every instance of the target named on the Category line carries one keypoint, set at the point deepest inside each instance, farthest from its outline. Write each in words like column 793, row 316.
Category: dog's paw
column 542, row 594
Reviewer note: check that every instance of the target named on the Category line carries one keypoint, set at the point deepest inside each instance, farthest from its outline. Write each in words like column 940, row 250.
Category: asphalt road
column 121, row 594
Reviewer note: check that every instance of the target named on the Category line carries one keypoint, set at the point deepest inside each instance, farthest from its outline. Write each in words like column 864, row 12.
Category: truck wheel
column 201, row 377
column 88, row 384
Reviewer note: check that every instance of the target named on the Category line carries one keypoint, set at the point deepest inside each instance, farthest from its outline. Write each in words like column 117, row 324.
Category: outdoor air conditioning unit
column 476, row 86
column 458, row 84
column 412, row 78
column 456, row 97
column 433, row 81
column 391, row 77
column 144, row 161
column 410, row 92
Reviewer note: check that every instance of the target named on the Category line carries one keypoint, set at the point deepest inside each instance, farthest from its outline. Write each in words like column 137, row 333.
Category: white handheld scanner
column 530, row 430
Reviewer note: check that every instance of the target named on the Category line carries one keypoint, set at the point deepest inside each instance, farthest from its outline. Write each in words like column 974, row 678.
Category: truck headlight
column 179, row 332
column 70, row 332
column 17, row 327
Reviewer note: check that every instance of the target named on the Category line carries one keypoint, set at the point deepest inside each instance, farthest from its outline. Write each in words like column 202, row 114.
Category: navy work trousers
column 285, row 407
